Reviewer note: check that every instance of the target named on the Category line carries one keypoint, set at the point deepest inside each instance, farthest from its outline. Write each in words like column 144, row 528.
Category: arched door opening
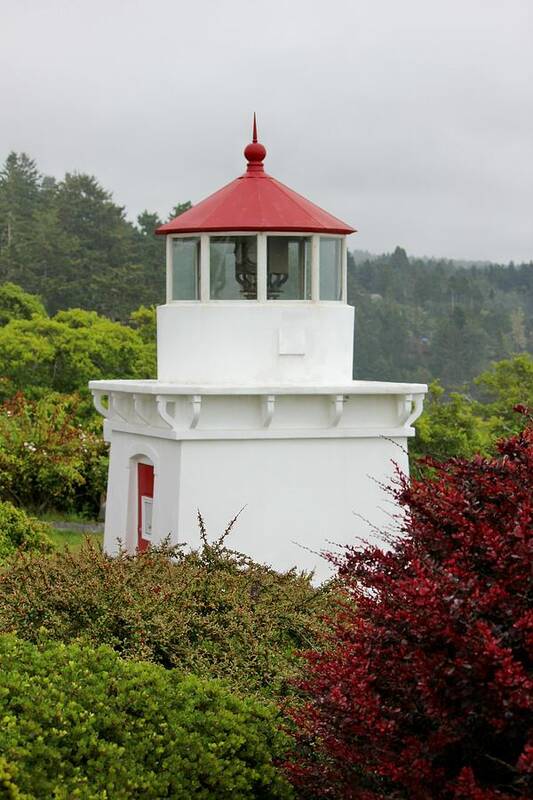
column 145, row 500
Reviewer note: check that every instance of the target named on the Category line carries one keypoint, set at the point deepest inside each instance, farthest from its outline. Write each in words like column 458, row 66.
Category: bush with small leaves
column 81, row 722
column 211, row 612
column 18, row 531
column 48, row 459
column 425, row 690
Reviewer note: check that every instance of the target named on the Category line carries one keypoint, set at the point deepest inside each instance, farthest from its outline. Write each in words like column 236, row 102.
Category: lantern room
column 255, row 265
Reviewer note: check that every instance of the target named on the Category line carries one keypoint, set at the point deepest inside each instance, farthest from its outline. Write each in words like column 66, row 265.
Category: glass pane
column 233, row 267
column 330, row 269
column 186, row 269
column 289, row 268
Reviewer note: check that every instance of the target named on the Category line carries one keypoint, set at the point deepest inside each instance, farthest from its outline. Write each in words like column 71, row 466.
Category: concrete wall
column 255, row 344
column 299, row 494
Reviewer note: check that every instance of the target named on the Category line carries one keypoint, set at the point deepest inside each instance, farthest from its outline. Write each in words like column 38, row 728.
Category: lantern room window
column 233, row 267
column 186, row 268
column 289, row 268
column 256, row 266
column 330, row 269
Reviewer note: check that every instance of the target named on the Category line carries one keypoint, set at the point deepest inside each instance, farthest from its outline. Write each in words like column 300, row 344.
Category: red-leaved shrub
column 423, row 691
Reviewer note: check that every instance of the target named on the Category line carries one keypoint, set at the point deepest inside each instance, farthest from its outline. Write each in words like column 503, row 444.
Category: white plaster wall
column 255, row 344
column 121, row 508
column 297, row 493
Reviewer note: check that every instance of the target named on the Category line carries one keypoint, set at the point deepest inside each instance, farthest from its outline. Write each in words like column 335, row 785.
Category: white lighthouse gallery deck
column 169, row 411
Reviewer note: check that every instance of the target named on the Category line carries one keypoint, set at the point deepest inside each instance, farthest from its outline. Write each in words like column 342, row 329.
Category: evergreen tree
column 20, row 188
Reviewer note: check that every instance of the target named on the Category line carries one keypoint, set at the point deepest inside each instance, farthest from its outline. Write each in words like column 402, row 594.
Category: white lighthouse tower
column 254, row 405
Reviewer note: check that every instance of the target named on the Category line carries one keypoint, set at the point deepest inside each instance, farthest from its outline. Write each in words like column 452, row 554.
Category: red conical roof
column 255, row 202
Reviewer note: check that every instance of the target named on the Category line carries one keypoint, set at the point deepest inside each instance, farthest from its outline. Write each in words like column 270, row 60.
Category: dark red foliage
column 424, row 691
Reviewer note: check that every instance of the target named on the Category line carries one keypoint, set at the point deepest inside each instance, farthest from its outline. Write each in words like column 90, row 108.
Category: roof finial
column 254, row 152
column 254, row 136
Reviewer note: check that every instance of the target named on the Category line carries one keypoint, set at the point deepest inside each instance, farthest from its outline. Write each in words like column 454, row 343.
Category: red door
column 145, row 494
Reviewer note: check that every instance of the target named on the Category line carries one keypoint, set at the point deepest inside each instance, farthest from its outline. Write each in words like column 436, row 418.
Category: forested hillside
column 70, row 243
column 425, row 319
column 416, row 319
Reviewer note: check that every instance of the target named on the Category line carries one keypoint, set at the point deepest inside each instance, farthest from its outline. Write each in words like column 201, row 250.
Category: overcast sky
column 410, row 119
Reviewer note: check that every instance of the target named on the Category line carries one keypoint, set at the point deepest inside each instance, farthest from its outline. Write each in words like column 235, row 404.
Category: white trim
column 137, row 407
column 187, row 434
column 205, row 268
column 97, row 402
column 162, row 410
column 418, row 407
column 196, row 402
column 315, row 268
column 338, row 407
column 344, row 268
column 180, row 302
column 169, row 254
column 134, row 455
column 114, row 400
column 146, row 503
column 268, row 403
column 155, row 387
column 261, row 268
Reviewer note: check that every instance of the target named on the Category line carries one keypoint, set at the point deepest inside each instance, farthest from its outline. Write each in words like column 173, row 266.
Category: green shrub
column 64, row 352
column 15, row 303
column 81, row 722
column 20, row 531
column 8, row 787
column 451, row 426
column 48, row 460
column 457, row 425
column 212, row 612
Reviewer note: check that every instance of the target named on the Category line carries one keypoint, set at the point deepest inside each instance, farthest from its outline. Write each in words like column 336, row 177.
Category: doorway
column 145, row 495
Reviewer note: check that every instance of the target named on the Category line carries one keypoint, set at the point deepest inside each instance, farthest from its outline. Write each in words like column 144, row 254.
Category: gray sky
column 410, row 119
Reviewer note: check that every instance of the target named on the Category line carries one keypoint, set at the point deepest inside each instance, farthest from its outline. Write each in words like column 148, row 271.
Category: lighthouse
column 254, row 408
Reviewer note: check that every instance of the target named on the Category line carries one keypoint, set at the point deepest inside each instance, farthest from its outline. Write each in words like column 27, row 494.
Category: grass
column 72, row 539
column 63, row 516
column 61, row 538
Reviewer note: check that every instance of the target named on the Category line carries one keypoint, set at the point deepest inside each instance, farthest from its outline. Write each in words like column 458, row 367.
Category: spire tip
column 254, row 133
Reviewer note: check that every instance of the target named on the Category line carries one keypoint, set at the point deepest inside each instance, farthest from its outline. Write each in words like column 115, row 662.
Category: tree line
column 425, row 319
column 71, row 244
column 419, row 319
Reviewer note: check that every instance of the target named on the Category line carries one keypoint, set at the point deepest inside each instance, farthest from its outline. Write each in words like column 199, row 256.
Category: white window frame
column 344, row 269
column 147, row 506
column 217, row 234
column 205, row 266
column 314, row 266
column 170, row 271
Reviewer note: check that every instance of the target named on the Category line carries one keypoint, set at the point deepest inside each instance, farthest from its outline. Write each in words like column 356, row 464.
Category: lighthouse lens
column 289, row 268
column 233, row 269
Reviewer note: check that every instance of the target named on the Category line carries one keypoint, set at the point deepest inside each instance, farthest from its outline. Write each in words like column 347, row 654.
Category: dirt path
column 80, row 527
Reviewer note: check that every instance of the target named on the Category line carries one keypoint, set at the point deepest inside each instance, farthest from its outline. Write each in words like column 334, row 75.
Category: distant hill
column 360, row 256
column 420, row 319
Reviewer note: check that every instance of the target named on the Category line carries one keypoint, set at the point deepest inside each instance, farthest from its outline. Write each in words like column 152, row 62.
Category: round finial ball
column 254, row 152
